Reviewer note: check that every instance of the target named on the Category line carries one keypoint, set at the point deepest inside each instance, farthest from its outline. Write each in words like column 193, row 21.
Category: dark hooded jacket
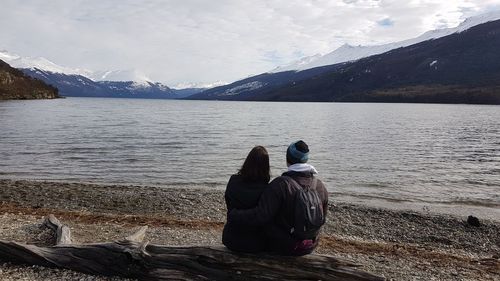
column 276, row 211
column 241, row 194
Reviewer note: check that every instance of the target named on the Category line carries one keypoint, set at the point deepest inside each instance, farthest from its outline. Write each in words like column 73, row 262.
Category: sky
column 179, row 42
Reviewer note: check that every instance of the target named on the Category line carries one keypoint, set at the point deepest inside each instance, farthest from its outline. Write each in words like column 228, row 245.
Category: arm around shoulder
column 264, row 212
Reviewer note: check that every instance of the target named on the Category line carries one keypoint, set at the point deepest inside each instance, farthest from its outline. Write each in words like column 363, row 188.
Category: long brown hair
column 256, row 166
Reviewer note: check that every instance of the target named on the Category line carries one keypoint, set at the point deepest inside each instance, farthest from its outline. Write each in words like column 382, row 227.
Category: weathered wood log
column 134, row 258
column 63, row 233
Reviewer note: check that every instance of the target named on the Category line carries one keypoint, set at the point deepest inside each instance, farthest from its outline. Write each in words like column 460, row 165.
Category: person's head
column 297, row 152
column 256, row 166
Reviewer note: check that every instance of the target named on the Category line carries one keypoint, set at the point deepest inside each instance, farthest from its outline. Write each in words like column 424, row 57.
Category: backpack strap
column 292, row 181
column 291, row 216
column 314, row 182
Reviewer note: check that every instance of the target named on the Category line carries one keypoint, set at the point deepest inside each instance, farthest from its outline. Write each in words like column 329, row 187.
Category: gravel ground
column 400, row 245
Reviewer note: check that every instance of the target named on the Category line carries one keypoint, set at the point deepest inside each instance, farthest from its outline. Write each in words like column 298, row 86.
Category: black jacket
column 241, row 194
column 276, row 208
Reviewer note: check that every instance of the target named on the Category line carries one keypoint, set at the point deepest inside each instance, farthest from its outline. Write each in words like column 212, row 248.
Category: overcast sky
column 180, row 41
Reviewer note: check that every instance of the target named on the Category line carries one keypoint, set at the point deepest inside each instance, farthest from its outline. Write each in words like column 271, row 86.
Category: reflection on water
column 433, row 154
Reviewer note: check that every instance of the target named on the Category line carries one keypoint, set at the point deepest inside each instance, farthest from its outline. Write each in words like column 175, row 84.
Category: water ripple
column 432, row 154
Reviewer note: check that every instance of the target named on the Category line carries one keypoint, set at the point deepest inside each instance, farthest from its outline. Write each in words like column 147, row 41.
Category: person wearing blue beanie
column 297, row 152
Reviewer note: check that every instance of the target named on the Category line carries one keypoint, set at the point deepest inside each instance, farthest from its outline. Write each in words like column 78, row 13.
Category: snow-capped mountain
column 46, row 65
column 16, row 85
column 72, row 85
column 462, row 67
column 121, row 75
column 348, row 52
column 86, row 83
column 18, row 61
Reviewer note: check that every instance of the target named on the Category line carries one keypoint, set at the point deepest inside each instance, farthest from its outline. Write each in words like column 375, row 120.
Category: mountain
column 347, row 52
column 84, row 83
column 186, row 92
column 46, row 65
column 81, row 86
column 247, row 88
column 20, row 62
column 463, row 67
column 459, row 68
column 14, row 84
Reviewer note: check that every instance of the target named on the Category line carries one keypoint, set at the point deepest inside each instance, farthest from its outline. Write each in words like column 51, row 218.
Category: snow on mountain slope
column 6, row 56
column 44, row 64
column 40, row 63
column 348, row 52
column 43, row 67
column 200, row 85
column 121, row 75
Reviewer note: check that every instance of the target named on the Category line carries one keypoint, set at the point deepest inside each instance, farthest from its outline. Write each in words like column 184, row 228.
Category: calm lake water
column 437, row 157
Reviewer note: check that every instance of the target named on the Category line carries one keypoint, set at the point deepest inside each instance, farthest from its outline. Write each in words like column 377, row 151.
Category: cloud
column 182, row 41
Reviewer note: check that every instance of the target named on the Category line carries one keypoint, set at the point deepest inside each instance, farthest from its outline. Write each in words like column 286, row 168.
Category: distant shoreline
column 62, row 96
column 291, row 101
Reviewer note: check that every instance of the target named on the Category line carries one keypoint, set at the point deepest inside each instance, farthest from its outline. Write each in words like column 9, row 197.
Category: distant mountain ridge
column 248, row 88
column 84, row 83
column 14, row 84
column 433, row 74
column 81, row 86
column 348, row 52
column 46, row 65
column 463, row 67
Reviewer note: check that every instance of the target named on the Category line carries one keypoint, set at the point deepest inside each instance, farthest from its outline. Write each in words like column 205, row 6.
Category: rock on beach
column 397, row 244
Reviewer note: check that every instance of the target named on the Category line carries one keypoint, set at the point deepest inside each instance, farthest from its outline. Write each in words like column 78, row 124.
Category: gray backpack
column 308, row 216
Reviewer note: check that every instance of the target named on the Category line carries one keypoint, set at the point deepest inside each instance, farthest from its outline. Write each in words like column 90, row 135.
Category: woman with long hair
column 243, row 192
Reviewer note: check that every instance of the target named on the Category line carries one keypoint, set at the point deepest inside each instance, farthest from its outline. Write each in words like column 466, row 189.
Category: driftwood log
column 134, row 258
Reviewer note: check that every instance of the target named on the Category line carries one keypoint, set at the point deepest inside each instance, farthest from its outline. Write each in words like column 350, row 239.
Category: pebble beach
column 396, row 244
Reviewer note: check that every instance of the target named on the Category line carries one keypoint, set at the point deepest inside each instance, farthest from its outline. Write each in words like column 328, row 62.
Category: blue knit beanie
column 294, row 155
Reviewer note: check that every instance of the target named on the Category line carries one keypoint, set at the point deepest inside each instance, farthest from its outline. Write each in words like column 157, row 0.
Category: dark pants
column 282, row 243
column 270, row 238
column 244, row 239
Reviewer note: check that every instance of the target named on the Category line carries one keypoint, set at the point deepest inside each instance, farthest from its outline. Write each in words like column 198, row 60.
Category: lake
column 421, row 156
